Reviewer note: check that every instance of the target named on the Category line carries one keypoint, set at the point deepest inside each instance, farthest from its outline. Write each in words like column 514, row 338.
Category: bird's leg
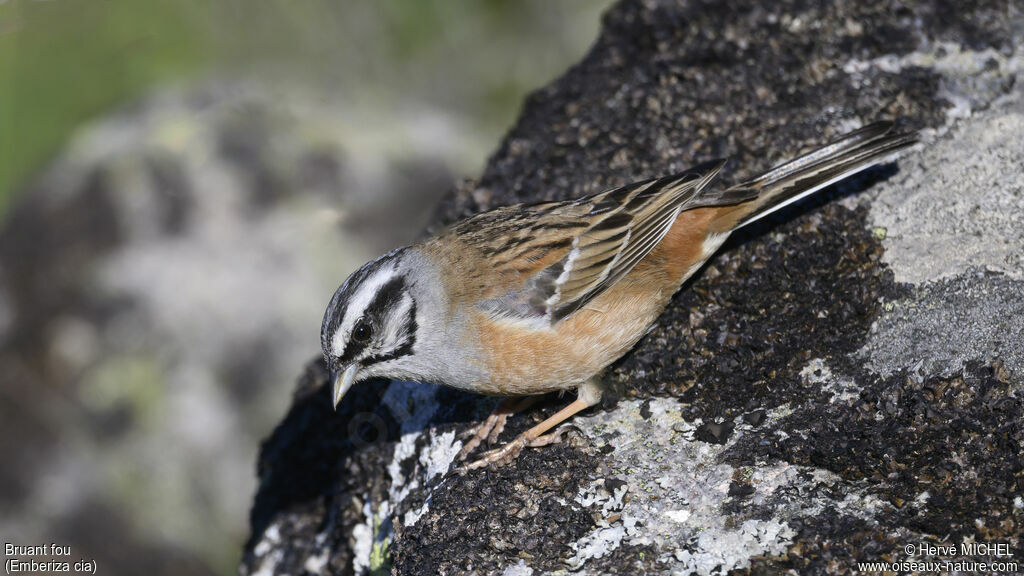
column 494, row 424
column 588, row 395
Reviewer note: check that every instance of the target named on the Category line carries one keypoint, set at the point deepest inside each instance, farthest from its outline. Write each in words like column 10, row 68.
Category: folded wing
column 623, row 226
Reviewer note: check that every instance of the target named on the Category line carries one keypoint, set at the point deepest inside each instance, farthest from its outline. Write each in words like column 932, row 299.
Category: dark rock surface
column 764, row 424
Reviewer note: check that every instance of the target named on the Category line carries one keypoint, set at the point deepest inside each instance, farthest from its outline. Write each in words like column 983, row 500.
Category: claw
column 534, row 436
column 478, row 433
column 499, row 456
column 509, row 452
column 499, row 427
column 491, row 428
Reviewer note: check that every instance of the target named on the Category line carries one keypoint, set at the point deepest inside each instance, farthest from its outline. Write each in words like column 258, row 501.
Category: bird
column 529, row 299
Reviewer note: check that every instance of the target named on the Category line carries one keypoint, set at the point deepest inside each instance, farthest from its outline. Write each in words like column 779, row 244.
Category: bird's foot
column 494, row 425
column 488, row 430
column 509, row 452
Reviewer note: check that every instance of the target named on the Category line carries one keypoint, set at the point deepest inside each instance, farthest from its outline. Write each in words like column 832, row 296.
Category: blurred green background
column 65, row 61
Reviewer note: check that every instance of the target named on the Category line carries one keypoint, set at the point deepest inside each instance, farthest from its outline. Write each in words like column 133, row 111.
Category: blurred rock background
column 182, row 186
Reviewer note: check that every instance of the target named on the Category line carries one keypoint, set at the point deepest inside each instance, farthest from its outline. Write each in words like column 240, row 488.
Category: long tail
column 799, row 178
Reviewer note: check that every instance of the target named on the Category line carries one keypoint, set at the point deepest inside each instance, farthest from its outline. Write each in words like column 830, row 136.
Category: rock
column 838, row 383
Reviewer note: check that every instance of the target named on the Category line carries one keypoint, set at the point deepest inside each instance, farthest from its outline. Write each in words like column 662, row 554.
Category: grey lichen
column 759, row 427
column 959, row 204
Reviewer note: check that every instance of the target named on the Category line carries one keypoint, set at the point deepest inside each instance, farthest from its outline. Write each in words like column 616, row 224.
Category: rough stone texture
column 937, row 328
column 951, row 208
column 800, row 405
column 952, row 224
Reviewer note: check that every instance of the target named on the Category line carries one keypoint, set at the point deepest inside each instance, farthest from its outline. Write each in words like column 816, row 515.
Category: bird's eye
column 362, row 332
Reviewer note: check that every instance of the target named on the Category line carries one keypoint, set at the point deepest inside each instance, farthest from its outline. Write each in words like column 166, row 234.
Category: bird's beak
column 342, row 381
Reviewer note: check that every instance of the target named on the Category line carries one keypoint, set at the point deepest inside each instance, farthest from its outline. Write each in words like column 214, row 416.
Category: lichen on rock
column 783, row 413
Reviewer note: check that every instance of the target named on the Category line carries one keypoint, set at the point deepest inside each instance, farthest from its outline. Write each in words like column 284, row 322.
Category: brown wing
column 507, row 248
column 586, row 245
column 639, row 216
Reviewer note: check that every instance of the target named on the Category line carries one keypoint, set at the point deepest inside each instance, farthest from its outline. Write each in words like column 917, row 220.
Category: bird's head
column 371, row 324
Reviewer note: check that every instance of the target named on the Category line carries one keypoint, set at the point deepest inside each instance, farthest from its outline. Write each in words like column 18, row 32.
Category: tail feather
column 799, row 178
column 846, row 142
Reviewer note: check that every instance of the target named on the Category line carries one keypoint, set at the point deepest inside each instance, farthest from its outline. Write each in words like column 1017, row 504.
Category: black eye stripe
column 351, row 351
column 334, row 316
column 386, row 297
column 339, row 302
column 406, row 348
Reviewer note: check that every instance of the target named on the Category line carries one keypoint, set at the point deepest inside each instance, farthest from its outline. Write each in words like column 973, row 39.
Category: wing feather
column 638, row 217
column 547, row 261
column 621, row 227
